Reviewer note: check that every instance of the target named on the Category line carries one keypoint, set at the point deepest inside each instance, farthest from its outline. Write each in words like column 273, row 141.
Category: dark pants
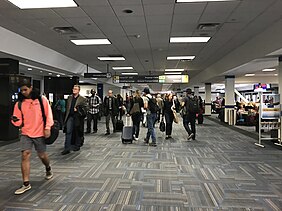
column 60, row 118
column 136, row 119
column 93, row 117
column 108, row 117
column 168, row 121
column 190, row 119
column 72, row 134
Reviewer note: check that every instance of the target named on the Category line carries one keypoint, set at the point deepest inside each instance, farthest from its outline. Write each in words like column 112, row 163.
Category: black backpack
column 193, row 105
column 152, row 105
column 54, row 129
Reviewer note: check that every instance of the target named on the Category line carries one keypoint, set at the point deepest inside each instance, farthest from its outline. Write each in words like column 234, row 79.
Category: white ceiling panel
column 132, row 20
column 158, row 2
column 184, row 19
column 165, row 9
column 75, row 12
column 137, row 10
column 94, row 12
column 42, row 13
column 83, row 3
column 125, row 2
column 158, row 20
column 189, row 9
column 54, row 22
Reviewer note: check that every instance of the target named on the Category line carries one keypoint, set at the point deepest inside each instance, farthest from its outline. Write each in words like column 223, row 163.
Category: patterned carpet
column 221, row 170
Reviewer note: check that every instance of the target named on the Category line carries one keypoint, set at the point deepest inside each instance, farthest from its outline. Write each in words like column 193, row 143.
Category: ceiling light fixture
column 91, row 42
column 50, row 73
column 188, row 39
column 58, row 75
column 31, row 4
column 174, row 70
column 249, row 75
column 129, row 73
column 180, row 57
column 113, row 58
column 122, row 68
column 29, row 69
column 173, row 73
column 275, row 74
column 191, row 1
column 269, row 70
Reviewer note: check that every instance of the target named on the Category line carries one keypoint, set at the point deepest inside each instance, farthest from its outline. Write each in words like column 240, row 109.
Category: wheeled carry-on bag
column 127, row 136
column 119, row 125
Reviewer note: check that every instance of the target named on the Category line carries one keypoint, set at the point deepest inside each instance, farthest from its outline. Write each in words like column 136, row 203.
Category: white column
column 208, row 99
column 196, row 91
column 280, row 86
column 42, row 86
column 229, row 115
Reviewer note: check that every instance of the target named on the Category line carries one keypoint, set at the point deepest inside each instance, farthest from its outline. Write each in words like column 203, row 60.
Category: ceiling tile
column 75, row 12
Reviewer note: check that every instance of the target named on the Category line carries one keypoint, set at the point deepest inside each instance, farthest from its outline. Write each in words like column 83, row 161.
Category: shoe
column 146, row 141
column 23, row 189
column 87, row 132
column 49, row 175
column 167, row 137
column 136, row 139
column 95, row 131
column 65, row 152
column 107, row 133
column 76, row 149
column 190, row 136
column 153, row 144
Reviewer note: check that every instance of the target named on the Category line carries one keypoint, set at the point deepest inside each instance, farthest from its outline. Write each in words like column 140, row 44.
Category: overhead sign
column 97, row 75
column 164, row 79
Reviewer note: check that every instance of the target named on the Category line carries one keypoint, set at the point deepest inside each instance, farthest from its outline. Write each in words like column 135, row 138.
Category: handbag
column 135, row 108
column 175, row 117
column 162, row 125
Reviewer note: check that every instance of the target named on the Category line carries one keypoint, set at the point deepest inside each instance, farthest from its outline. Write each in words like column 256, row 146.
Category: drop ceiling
column 142, row 36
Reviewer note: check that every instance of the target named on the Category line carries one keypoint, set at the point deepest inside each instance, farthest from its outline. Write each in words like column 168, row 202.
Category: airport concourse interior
column 140, row 105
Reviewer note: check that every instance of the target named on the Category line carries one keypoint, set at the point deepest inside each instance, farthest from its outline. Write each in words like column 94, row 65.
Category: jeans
column 110, row 115
column 136, row 119
column 151, row 118
column 91, row 117
column 168, row 121
column 190, row 118
column 71, row 134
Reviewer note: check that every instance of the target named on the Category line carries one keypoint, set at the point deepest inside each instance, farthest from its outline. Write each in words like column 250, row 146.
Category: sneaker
column 190, row 136
column 153, row 144
column 49, row 175
column 146, row 141
column 65, row 152
column 23, row 189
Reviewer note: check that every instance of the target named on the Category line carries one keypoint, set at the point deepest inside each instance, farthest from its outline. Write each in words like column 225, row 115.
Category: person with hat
column 150, row 104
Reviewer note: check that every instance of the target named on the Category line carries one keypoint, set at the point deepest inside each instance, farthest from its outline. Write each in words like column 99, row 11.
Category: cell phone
column 15, row 119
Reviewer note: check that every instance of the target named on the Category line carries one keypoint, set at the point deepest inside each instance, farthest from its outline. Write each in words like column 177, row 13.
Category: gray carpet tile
column 221, row 170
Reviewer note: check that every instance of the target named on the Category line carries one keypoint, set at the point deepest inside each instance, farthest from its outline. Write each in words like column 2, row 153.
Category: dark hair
column 25, row 82
column 189, row 91
column 146, row 90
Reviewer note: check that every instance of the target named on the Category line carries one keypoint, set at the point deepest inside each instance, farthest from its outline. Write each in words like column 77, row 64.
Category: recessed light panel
column 122, row 68
column 174, row 70
column 250, row 74
column 91, row 42
column 180, row 57
column 191, row 1
column 173, row 73
column 114, row 58
column 188, row 39
column 269, row 70
column 129, row 73
column 32, row 4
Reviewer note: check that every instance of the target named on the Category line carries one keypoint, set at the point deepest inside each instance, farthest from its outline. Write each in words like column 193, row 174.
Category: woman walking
column 169, row 106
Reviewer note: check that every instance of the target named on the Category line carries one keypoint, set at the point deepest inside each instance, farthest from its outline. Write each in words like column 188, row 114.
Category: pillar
column 229, row 109
column 196, row 91
column 208, row 99
column 280, row 87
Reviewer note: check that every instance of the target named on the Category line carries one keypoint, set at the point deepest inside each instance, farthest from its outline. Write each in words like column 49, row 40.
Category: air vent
column 66, row 30
column 208, row 26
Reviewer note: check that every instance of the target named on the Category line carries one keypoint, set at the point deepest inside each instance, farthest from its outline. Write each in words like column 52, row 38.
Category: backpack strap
column 42, row 110
column 20, row 108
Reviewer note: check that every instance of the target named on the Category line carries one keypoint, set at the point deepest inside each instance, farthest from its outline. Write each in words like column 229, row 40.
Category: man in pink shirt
column 30, row 119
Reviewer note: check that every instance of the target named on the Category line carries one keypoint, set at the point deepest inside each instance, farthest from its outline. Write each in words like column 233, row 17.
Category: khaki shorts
column 27, row 143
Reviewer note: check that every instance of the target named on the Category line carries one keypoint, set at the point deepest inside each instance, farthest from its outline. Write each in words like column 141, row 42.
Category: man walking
column 74, row 121
column 191, row 108
column 151, row 107
column 28, row 115
column 111, row 111
column 93, row 112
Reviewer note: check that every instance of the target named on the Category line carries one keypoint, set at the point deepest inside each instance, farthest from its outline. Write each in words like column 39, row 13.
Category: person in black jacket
column 120, row 106
column 110, row 111
column 136, row 114
column 168, row 114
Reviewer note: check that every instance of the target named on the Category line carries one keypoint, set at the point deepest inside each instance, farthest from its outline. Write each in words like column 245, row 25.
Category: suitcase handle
column 130, row 120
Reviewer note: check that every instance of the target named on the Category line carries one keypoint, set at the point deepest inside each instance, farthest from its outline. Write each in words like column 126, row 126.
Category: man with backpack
column 191, row 108
column 150, row 104
column 28, row 114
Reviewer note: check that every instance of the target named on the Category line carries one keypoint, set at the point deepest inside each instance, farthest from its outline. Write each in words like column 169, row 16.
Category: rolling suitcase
column 119, row 125
column 127, row 136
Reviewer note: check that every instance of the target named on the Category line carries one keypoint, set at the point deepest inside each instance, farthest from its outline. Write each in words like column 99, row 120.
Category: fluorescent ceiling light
column 114, row 58
column 122, row 68
column 250, row 74
column 91, row 42
column 129, row 73
column 189, row 1
column 50, row 73
column 58, row 75
column 29, row 69
column 174, row 70
column 180, row 57
column 31, row 4
column 188, row 39
column 173, row 73
column 276, row 74
column 268, row 70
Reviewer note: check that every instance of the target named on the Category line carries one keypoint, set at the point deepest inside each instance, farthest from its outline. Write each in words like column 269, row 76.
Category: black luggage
column 127, row 136
column 119, row 125
column 200, row 118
